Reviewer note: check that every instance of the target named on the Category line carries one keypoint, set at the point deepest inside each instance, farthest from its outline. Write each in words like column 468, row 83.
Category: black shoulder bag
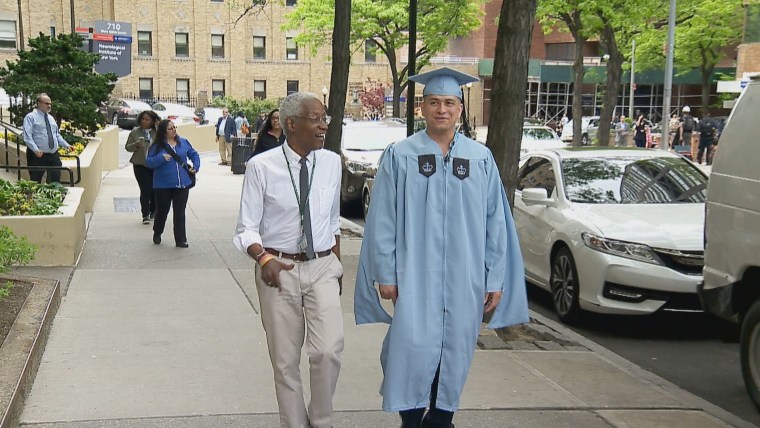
column 176, row 157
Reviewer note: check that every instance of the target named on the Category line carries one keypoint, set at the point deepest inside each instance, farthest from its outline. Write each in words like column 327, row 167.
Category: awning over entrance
column 554, row 73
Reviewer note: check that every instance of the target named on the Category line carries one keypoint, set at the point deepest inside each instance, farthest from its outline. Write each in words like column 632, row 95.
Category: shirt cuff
column 245, row 239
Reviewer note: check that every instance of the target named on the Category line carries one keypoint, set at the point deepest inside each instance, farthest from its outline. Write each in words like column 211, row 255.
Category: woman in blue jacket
column 171, row 181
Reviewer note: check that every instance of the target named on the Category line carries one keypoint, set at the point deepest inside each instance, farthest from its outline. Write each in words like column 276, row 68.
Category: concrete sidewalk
column 157, row 336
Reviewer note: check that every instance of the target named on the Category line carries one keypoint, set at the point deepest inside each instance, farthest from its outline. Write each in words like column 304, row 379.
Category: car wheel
column 115, row 120
column 365, row 203
column 565, row 286
column 584, row 140
column 750, row 352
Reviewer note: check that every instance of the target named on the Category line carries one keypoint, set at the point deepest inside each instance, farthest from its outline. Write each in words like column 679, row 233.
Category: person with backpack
column 688, row 124
column 706, row 138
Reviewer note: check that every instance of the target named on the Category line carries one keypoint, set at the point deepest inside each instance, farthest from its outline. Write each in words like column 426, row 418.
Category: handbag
column 176, row 157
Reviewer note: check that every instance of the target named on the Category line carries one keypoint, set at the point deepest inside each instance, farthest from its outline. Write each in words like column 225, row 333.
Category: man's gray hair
column 292, row 106
column 40, row 96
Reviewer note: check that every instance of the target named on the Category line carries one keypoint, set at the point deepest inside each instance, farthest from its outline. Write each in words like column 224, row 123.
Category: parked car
column 539, row 137
column 586, row 136
column 123, row 112
column 615, row 231
column 731, row 288
column 361, row 147
column 177, row 113
column 209, row 115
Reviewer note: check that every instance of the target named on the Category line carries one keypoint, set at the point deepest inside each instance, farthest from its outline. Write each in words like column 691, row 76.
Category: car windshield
column 633, row 180
column 372, row 138
column 538, row 134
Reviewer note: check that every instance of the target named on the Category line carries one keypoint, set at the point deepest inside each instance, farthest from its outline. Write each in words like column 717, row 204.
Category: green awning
column 552, row 73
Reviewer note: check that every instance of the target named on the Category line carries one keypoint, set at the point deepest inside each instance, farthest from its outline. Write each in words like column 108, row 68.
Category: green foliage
column 250, row 107
column 14, row 251
column 5, row 289
column 58, row 67
column 30, row 198
column 387, row 23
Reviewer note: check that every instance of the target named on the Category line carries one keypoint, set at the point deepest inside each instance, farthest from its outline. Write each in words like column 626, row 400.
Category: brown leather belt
column 300, row 257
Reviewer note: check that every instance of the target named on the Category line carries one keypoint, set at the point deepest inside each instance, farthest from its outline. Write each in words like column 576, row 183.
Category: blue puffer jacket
column 168, row 174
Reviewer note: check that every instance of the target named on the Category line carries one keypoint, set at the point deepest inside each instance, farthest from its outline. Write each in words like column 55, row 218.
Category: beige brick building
column 184, row 47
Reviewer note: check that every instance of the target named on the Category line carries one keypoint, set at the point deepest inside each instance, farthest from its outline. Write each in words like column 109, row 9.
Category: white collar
column 294, row 157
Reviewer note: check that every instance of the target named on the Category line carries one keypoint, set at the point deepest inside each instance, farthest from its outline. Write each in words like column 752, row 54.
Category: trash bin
column 242, row 149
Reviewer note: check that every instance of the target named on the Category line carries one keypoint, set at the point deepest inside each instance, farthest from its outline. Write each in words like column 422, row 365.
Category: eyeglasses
column 171, row 129
column 317, row 120
column 46, row 103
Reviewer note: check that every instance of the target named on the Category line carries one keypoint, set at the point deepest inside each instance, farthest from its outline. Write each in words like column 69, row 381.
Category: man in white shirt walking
column 289, row 223
column 43, row 139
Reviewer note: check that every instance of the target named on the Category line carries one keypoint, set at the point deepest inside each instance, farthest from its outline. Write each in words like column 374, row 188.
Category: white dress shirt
column 269, row 213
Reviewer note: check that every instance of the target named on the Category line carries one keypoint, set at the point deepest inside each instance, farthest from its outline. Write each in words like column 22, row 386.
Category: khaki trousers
column 307, row 304
column 225, row 149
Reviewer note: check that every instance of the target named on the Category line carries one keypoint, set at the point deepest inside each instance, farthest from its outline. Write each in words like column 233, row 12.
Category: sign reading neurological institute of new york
column 112, row 40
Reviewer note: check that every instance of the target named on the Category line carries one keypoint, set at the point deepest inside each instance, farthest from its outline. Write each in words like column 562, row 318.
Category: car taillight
column 172, row 117
column 197, row 119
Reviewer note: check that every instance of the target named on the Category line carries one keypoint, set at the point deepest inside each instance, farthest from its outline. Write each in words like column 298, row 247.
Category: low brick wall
column 59, row 237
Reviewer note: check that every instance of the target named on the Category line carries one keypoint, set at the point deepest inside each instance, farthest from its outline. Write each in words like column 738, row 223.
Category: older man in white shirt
column 43, row 139
column 289, row 223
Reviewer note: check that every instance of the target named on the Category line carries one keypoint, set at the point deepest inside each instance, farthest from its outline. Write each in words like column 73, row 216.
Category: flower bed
column 30, row 198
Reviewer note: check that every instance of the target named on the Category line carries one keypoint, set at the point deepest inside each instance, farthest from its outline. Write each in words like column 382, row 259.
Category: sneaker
column 156, row 238
column 146, row 220
column 152, row 216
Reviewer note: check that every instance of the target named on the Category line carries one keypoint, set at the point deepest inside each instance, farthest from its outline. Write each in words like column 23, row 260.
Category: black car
column 123, row 112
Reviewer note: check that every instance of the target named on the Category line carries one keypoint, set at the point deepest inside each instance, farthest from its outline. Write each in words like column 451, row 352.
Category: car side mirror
column 537, row 196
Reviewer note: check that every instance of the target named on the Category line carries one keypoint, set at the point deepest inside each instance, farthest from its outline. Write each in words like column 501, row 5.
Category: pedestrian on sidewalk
column 271, row 134
column 225, row 130
column 43, row 139
column 440, row 243
column 168, row 156
column 293, row 233
column 138, row 142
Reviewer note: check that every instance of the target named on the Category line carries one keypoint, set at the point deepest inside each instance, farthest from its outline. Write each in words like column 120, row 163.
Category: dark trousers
column 435, row 418
column 705, row 149
column 47, row 159
column 177, row 200
column 144, row 176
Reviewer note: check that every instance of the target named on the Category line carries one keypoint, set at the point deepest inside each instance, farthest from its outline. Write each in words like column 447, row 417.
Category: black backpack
column 688, row 123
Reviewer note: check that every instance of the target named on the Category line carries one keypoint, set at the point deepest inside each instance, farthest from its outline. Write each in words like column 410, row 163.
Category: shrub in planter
column 30, row 198
column 13, row 251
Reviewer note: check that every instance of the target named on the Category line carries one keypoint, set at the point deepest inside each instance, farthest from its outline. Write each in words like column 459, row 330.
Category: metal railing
column 186, row 101
column 9, row 130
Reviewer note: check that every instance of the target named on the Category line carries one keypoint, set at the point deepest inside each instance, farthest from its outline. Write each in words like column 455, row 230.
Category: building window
column 183, row 89
column 291, row 50
column 369, row 50
column 217, row 46
column 8, row 34
column 146, row 88
column 260, row 89
column 181, row 45
column 52, row 32
column 292, row 3
column 560, row 51
column 292, row 86
column 217, row 88
column 259, row 47
column 144, row 43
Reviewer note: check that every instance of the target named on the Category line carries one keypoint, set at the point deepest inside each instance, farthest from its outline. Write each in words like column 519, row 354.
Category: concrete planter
column 58, row 237
column 91, row 170
column 200, row 136
column 109, row 137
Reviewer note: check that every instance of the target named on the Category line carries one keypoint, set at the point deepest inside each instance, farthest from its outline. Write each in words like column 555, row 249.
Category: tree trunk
column 614, row 74
column 341, row 59
column 510, row 78
column 706, row 72
column 578, row 73
column 396, row 84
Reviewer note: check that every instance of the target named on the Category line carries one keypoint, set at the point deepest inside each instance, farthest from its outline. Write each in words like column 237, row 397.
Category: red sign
column 82, row 30
column 102, row 37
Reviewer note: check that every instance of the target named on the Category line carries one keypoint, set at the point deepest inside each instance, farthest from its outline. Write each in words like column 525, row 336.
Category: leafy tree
column 387, row 23
column 572, row 13
column 705, row 28
column 510, row 78
column 58, row 67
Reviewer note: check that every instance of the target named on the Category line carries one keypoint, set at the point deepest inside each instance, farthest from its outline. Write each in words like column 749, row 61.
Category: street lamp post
column 324, row 95
column 469, row 106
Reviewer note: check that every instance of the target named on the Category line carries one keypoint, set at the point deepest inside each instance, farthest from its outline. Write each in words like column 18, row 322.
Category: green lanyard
column 301, row 207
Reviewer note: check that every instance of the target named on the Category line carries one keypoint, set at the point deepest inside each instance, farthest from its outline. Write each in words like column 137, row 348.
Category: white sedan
column 177, row 113
column 538, row 138
column 616, row 231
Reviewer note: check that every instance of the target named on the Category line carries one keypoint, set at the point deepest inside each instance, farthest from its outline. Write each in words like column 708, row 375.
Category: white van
column 731, row 287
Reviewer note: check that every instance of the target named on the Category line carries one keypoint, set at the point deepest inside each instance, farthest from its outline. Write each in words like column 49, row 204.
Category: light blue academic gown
column 444, row 241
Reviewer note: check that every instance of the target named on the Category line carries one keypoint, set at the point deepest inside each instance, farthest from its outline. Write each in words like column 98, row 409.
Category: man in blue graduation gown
column 440, row 243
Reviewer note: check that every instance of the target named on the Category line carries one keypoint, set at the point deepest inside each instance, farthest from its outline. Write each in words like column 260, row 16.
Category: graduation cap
column 443, row 81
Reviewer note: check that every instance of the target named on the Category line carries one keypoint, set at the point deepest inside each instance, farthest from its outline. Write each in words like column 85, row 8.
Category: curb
column 616, row 360
column 24, row 346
